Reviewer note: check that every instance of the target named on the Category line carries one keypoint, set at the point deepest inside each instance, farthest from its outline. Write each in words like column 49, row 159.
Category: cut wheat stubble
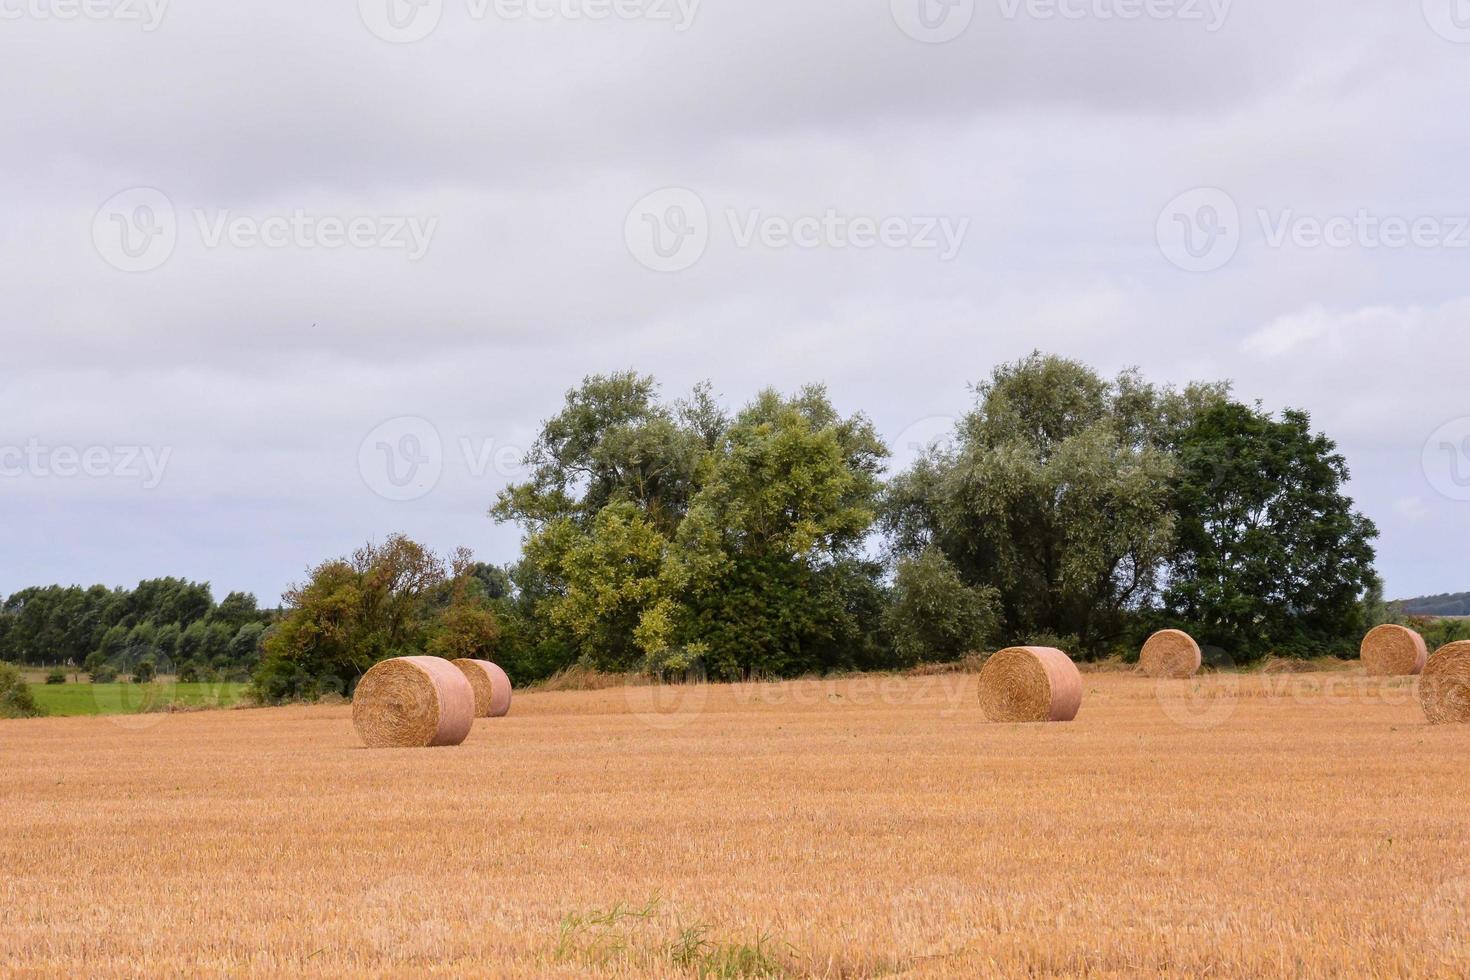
column 1030, row 684
column 1393, row 651
column 492, row 687
column 413, row 702
column 1444, row 690
column 1170, row 653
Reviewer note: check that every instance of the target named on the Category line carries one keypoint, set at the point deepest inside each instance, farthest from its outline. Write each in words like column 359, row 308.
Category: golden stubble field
column 1303, row 825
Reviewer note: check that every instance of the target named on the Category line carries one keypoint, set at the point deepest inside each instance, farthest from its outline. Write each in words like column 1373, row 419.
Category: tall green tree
column 1056, row 495
column 351, row 613
column 1271, row 555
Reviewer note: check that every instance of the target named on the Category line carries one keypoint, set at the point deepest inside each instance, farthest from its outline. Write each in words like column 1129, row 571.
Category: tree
column 1271, row 556
column 1056, row 495
column 352, row 612
column 612, row 442
column 764, row 560
column 612, row 597
column 237, row 609
column 16, row 700
column 935, row 616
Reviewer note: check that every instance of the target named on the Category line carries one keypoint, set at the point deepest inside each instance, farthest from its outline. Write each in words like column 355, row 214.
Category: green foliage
column 102, row 673
column 391, row 600
column 1056, row 496
column 57, row 676
column 89, row 626
column 16, row 700
column 612, row 597
column 935, row 616
column 1271, row 556
column 145, row 671
column 664, row 538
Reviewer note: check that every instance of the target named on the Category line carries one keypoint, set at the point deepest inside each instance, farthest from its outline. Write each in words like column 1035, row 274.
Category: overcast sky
column 277, row 278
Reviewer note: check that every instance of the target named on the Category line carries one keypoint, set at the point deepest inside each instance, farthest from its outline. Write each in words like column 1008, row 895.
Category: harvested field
column 1302, row 824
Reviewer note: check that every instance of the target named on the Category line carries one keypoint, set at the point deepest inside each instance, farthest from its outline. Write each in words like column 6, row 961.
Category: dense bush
column 57, row 676
column 16, row 700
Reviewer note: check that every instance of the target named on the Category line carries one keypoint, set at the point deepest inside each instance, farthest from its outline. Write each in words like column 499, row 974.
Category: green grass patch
column 71, row 700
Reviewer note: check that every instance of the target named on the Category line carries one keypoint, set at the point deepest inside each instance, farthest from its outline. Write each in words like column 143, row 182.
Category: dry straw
column 1170, row 653
column 492, row 687
column 1444, row 690
column 1393, row 651
column 1030, row 684
column 413, row 702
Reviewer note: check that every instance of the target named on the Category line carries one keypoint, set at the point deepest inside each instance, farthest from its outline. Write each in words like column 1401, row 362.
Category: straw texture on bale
column 1393, row 651
column 1444, row 690
column 413, row 702
column 1170, row 653
column 492, row 687
column 1030, row 684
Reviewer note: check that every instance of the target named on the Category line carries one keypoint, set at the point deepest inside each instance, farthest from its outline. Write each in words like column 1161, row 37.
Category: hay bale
column 1170, row 653
column 1030, row 684
column 492, row 687
column 413, row 702
column 1444, row 690
column 1393, row 651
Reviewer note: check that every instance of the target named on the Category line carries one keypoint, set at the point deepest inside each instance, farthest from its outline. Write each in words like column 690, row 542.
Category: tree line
column 164, row 625
column 1069, row 509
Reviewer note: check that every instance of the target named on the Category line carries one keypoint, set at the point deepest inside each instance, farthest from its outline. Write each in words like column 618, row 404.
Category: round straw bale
column 1170, row 653
column 413, row 702
column 492, row 687
column 1444, row 690
column 1393, row 651
column 1030, row 684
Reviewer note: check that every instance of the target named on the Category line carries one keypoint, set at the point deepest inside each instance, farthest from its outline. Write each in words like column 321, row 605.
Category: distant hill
column 1456, row 604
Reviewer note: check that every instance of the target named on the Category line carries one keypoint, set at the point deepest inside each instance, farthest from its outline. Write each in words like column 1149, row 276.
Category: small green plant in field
column 16, row 699
column 592, row 935
column 620, row 935
column 57, row 676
